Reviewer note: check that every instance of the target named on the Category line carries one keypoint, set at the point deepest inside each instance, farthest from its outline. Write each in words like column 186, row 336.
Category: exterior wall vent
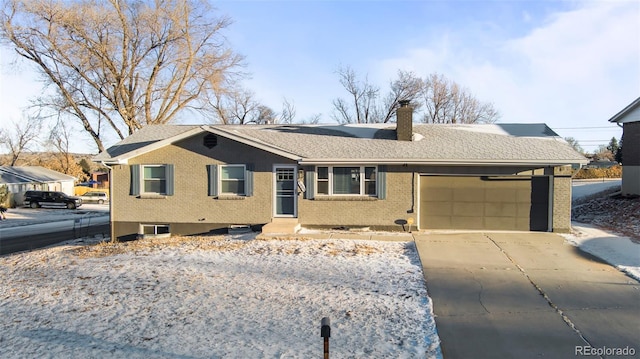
column 210, row 141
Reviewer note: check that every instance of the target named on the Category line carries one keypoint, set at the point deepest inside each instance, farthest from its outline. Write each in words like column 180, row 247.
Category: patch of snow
column 361, row 130
column 220, row 296
column 25, row 216
column 621, row 252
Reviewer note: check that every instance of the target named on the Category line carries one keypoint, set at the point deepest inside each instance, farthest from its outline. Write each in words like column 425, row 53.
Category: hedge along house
column 194, row 179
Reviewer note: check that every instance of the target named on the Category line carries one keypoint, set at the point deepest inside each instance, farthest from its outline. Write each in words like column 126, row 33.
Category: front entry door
column 285, row 191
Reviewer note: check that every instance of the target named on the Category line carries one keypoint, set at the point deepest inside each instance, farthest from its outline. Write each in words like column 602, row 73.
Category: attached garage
column 484, row 202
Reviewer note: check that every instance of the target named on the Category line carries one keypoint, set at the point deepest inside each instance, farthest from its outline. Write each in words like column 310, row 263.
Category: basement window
column 155, row 230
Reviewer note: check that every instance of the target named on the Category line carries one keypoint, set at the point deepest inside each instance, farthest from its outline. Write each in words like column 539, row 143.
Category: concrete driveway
column 527, row 295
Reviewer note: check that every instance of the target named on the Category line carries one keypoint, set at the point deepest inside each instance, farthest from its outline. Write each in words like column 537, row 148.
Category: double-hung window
column 232, row 179
column 351, row 180
column 152, row 179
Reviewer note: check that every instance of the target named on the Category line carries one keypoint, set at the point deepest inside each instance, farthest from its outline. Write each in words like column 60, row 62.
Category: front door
column 285, row 191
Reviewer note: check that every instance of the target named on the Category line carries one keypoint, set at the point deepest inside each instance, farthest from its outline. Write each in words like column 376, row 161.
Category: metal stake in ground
column 325, row 332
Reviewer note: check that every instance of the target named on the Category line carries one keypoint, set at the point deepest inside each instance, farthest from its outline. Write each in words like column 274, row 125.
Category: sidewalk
column 525, row 295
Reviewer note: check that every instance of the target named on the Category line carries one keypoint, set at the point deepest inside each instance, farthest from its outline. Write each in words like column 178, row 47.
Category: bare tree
column 574, row 143
column 405, row 88
column 240, row 107
column 446, row 102
column 288, row 113
column 234, row 106
column 122, row 64
column 64, row 161
column 603, row 153
column 361, row 105
column 313, row 119
column 364, row 105
column 18, row 139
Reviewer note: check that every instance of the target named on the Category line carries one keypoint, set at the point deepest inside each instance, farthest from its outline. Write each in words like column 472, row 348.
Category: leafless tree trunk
column 122, row 64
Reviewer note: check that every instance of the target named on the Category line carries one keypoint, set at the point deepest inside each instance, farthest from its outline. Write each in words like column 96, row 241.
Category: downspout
column 112, row 232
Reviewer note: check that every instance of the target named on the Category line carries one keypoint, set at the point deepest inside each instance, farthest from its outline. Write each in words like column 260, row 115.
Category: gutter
column 445, row 162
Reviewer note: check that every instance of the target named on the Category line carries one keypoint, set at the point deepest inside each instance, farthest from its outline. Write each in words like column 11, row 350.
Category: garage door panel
column 438, row 209
column 500, row 209
column 438, row 194
column 484, row 202
column 523, row 224
column 523, row 210
column 523, row 195
column 470, row 209
column 467, row 222
column 468, row 195
column 440, row 222
column 500, row 195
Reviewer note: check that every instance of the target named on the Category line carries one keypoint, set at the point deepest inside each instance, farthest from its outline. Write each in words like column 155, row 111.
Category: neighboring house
column 629, row 119
column 20, row 179
column 194, row 179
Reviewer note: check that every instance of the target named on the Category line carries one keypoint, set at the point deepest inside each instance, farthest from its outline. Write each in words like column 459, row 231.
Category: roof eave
column 618, row 116
column 443, row 162
column 124, row 158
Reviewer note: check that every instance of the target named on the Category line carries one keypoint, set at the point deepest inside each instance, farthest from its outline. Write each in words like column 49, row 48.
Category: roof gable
column 631, row 113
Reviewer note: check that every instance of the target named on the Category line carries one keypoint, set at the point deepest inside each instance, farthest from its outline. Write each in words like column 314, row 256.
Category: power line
column 581, row 128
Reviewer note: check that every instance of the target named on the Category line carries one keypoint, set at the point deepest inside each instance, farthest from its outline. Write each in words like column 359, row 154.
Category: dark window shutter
column 169, row 180
column 134, row 189
column 381, row 182
column 248, row 180
column 212, row 171
column 309, row 179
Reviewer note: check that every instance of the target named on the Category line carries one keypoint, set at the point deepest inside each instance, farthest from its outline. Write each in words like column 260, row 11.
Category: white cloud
column 577, row 68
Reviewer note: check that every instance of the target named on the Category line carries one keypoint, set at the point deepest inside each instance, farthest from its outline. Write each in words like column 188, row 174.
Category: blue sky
column 570, row 64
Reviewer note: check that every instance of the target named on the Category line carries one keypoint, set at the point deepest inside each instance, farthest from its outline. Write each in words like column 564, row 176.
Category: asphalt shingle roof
column 27, row 174
column 432, row 142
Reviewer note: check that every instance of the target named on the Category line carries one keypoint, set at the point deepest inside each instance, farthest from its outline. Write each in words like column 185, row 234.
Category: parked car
column 36, row 199
column 95, row 197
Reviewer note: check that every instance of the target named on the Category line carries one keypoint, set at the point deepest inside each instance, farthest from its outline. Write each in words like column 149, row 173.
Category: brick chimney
column 404, row 122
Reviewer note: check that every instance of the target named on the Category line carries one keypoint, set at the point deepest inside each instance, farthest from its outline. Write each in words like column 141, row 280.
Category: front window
column 154, row 179
column 232, row 179
column 336, row 180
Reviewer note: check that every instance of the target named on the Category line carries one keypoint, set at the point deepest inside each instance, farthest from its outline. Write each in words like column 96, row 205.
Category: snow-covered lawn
column 216, row 297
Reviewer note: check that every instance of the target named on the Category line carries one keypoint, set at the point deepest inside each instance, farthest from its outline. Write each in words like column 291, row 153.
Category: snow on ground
column 24, row 216
column 605, row 225
column 621, row 252
column 588, row 187
column 215, row 297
